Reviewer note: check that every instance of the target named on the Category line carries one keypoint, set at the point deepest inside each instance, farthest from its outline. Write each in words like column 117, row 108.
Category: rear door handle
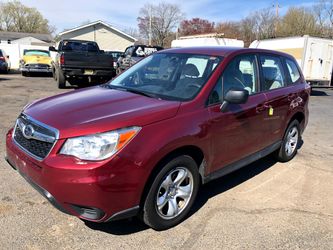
column 262, row 107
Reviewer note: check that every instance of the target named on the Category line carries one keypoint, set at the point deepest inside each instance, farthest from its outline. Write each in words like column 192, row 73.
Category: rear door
column 241, row 130
column 274, row 83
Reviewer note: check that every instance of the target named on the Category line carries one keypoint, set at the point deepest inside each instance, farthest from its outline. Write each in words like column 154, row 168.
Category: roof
column 98, row 22
column 6, row 35
column 219, row 51
column 28, row 38
column 208, row 35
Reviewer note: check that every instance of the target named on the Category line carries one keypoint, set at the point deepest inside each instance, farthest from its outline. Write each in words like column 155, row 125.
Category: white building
column 108, row 37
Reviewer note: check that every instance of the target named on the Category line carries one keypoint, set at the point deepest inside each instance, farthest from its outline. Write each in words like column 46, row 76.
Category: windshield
column 173, row 76
column 36, row 53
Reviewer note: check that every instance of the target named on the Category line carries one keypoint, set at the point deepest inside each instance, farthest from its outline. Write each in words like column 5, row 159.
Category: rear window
column 294, row 74
column 79, row 46
column 1, row 53
column 36, row 53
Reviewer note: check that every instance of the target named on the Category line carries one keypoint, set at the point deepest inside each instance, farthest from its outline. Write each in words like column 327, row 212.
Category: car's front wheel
column 172, row 193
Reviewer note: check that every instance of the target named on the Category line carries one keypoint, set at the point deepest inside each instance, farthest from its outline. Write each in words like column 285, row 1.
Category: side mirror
column 7, row 57
column 234, row 96
column 51, row 48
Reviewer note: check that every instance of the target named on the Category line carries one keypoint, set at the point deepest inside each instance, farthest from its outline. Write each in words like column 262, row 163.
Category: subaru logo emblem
column 28, row 131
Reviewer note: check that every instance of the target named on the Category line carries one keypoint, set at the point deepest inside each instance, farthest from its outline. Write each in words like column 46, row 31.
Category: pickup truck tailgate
column 87, row 60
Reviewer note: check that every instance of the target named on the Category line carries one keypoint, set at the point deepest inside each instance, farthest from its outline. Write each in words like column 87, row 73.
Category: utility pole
column 277, row 7
column 150, row 24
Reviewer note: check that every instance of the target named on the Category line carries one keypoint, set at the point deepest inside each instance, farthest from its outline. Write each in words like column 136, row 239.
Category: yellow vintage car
column 35, row 61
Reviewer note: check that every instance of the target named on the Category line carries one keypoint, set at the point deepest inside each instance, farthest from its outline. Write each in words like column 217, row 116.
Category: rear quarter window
column 293, row 72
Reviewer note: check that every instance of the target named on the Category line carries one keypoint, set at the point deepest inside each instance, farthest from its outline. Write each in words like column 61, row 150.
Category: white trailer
column 206, row 40
column 313, row 54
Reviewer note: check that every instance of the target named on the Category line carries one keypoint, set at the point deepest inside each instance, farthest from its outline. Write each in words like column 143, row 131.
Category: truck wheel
column 290, row 143
column 172, row 193
column 54, row 74
column 61, row 80
column 119, row 71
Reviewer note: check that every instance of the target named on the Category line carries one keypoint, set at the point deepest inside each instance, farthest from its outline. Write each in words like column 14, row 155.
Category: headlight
column 98, row 146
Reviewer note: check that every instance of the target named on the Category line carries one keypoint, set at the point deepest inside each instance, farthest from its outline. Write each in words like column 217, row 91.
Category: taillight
column 62, row 60
column 2, row 59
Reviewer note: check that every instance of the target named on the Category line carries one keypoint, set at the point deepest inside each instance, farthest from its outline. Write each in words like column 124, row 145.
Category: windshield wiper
column 140, row 92
column 135, row 91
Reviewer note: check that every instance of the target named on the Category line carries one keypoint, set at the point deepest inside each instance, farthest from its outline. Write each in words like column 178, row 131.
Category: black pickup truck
column 133, row 54
column 81, row 63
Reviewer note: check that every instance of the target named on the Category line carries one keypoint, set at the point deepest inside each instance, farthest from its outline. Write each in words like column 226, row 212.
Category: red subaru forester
column 143, row 143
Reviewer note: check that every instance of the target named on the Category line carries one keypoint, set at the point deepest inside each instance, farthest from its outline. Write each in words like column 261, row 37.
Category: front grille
column 40, row 140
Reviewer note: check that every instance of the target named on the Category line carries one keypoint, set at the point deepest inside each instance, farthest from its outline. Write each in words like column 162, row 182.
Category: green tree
column 16, row 17
column 298, row 21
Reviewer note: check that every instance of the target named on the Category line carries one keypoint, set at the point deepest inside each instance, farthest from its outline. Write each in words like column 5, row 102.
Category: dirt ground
column 264, row 205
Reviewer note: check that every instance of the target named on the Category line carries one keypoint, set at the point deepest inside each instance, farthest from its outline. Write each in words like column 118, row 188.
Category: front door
column 241, row 130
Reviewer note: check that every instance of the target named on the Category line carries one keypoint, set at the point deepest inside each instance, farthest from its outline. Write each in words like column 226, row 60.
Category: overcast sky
column 66, row 14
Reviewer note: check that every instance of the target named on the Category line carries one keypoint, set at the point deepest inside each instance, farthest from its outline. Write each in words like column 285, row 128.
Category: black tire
column 281, row 154
column 60, row 79
column 119, row 71
column 54, row 74
column 150, row 214
column 23, row 73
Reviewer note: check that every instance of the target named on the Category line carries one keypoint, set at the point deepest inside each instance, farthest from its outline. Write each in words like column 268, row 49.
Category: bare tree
column 265, row 23
column 248, row 30
column 229, row 29
column 323, row 12
column 15, row 16
column 164, row 19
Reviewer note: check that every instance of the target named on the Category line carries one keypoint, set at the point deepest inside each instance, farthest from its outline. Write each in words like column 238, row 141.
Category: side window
column 272, row 73
column 128, row 51
column 241, row 72
column 294, row 74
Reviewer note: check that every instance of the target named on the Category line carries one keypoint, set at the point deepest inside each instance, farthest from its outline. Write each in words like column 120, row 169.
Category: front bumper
column 99, row 191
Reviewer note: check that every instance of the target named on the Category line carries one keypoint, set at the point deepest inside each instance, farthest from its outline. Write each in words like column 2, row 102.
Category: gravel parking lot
column 264, row 205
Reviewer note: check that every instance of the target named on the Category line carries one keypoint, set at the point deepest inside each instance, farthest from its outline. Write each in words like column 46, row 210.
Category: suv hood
column 98, row 109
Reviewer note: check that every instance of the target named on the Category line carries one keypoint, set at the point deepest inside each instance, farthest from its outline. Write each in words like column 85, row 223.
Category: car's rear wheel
column 60, row 79
column 172, row 193
column 290, row 142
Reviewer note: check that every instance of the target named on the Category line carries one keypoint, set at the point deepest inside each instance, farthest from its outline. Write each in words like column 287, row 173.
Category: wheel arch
column 191, row 150
column 300, row 117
